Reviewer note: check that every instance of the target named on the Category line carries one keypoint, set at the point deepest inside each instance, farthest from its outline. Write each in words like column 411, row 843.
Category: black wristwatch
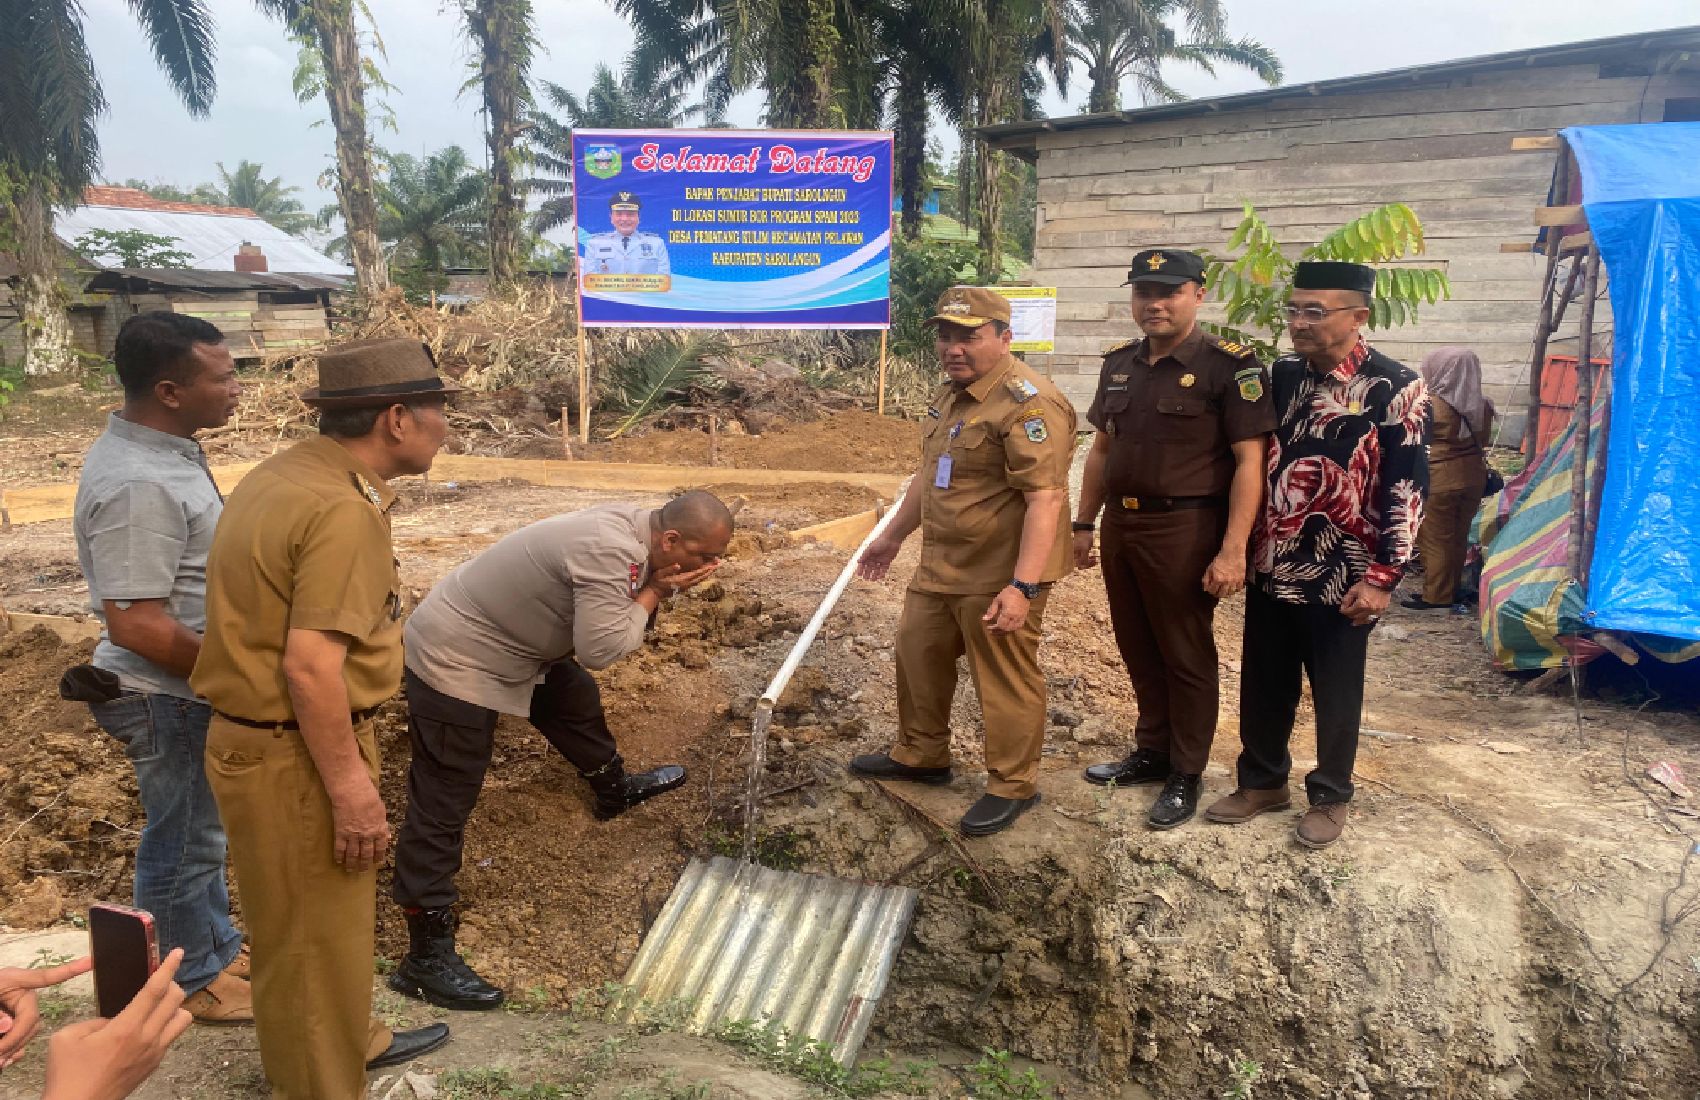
column 1031, row 591
column 1078, row 527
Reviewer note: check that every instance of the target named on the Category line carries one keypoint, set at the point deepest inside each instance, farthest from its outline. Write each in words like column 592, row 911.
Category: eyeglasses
column 1312, row 315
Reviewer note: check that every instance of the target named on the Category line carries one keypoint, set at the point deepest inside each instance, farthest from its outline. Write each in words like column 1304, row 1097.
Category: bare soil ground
column 1509, row 914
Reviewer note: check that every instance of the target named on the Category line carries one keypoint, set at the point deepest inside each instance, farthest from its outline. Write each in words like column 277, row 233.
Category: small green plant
column 532, row 1001
column 133, row 248
column 1256, row 283
column 1242, row 1074
column 668, row 1088
column 811, row 1060
column 992, row 1078
column 46, row 958
column 1342, row 874
column 495, row 1084
column 382, row 965
column 780, row 849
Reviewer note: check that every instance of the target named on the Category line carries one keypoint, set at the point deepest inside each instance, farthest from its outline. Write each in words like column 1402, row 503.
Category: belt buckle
column 1131, row 504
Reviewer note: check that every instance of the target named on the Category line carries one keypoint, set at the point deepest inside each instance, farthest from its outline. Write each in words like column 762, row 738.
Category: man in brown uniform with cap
column 991, row 500
column 1183, row 425
column 303, row 642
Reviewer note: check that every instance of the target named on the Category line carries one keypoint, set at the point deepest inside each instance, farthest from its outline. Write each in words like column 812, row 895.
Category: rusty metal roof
column 142, row 279
column 806, row 954
column 1019, row 138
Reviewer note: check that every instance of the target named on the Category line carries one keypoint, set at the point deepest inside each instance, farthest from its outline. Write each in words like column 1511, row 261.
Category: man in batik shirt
column 1348, row 468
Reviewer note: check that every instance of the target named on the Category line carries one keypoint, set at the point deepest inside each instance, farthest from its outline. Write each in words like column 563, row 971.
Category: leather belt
column 356, row 717
column 1167, row 504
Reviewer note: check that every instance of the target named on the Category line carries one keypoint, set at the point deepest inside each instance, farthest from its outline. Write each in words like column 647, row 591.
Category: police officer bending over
column 991, row 499
column 1183, row 425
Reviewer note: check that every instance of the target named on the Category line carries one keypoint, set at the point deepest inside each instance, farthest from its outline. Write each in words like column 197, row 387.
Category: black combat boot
column 617, row 792
column 433, row 971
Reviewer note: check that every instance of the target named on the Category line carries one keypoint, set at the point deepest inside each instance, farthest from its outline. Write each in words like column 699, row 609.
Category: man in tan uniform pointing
column 991, row 500
column 512, row 632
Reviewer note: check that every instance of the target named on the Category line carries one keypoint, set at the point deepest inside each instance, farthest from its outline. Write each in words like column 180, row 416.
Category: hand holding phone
column 108, row 1059
column 125, row 955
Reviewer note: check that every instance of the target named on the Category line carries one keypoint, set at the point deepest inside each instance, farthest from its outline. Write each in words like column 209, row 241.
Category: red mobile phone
column 125, row 955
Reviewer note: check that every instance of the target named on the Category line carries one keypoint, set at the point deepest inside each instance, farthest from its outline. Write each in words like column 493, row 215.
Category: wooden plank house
column 1311, row 156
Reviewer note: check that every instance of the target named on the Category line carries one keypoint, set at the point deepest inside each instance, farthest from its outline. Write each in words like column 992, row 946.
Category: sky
column 147, row 134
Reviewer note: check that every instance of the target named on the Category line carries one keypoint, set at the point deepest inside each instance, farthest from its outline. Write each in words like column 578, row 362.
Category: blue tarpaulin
column 1641, row 191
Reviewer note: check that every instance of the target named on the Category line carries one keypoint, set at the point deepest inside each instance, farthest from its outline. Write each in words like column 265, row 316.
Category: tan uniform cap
column 970, row 307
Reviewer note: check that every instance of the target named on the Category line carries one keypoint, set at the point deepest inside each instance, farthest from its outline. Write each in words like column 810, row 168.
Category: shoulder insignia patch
column 1034, row 426
column 1238, row 351
column 1250, row 383
column 1112, row 349
column 1118, row 379
column 1021, row 389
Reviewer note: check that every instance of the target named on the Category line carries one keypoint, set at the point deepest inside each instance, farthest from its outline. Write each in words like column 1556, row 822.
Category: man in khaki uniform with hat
column 991, row 500
column 303, row 642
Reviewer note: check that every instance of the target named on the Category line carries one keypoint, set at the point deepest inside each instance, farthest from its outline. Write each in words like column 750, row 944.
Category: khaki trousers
column 932, row 633
column 1443, row 540
column 312, row 925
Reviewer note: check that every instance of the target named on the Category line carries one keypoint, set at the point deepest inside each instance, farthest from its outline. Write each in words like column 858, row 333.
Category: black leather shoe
column 1139, row 766
column 1177, row 803
column 433, row 970
column 878, row 765
column 405, row 1046
column 994, row 814
column 1417, row 603
column 617, row 792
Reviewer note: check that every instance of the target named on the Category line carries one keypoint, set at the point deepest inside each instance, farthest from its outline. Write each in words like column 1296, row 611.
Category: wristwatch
column 1078, row 526
column 1031, row 591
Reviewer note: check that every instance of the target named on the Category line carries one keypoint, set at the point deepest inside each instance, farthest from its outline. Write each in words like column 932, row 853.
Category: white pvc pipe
column 770, row 697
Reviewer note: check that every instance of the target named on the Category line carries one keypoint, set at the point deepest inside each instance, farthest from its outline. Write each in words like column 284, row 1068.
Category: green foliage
column 531, row 1001
column 811, row 1060
column 133, row 248
column 665, row 373
column 920, row 272
column 1242, row 1074
column 781, row 849
column 1118, row 40
column 669, row 1088
column 1256, row 283
column 495, row 1084
column 991, row 1078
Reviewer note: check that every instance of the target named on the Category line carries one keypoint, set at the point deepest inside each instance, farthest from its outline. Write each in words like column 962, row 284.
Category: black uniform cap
column 624, row 200
column 1170, row 266
column 1333, row 275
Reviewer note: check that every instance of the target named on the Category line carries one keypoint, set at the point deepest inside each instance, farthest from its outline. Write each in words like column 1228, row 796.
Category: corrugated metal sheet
column 806, row 953
column 211, row 239
column 192, row 279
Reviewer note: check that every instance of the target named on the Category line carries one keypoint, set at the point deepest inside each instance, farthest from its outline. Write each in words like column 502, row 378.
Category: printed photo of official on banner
column 733, row 228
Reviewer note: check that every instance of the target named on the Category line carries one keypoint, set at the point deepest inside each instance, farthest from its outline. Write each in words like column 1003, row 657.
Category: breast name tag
column 941, row 480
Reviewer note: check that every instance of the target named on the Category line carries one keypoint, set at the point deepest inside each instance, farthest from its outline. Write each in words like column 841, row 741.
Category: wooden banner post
column 583, row 385
column 880, row 405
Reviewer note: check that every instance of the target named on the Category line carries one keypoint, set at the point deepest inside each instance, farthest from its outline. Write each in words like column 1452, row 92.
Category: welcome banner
column 733, row 228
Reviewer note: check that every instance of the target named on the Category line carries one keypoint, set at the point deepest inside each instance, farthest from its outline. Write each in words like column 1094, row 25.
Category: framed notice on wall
column 733, row 228
column 1032, row 317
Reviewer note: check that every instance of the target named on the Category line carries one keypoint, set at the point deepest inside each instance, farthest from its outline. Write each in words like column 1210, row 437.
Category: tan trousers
column 932, row 633
column 312, row 925
column 1443, row 539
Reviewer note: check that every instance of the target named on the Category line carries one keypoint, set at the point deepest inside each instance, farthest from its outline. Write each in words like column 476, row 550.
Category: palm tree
column 328, row 27
column 433, row 213
column 1117, row 39
column 915, row 52
column 794, row 50
column 502, row 32
column 50, row 103
column 623, row 104
column 271, row 199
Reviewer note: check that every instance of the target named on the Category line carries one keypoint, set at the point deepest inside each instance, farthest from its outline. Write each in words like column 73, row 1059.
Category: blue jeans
column 180, row 860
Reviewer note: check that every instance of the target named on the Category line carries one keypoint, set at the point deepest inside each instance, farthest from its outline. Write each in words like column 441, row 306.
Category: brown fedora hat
column 364, row 373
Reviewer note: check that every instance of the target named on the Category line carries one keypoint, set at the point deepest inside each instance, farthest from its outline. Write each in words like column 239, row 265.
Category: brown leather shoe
column 240, row 966
column 1245, row 804
column 1322, row 824
column 226, row 1002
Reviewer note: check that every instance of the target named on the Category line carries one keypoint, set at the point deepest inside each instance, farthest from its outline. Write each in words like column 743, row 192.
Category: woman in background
column 1457, row 464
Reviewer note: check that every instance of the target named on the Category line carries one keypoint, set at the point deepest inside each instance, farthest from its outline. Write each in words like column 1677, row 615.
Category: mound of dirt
column 851, row 441
column 68, row 810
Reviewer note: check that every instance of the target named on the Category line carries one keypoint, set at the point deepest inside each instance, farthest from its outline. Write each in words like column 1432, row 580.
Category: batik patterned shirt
column 1347, row 473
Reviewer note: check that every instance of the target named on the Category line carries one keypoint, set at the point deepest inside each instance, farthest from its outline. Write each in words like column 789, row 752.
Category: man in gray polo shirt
column 145, row 512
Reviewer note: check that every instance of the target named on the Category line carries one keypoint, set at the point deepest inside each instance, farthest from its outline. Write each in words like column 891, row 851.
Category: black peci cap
column 1333, row 275
column 1171, row 266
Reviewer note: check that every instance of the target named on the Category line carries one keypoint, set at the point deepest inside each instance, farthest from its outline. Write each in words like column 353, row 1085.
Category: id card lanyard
column 941, row 479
